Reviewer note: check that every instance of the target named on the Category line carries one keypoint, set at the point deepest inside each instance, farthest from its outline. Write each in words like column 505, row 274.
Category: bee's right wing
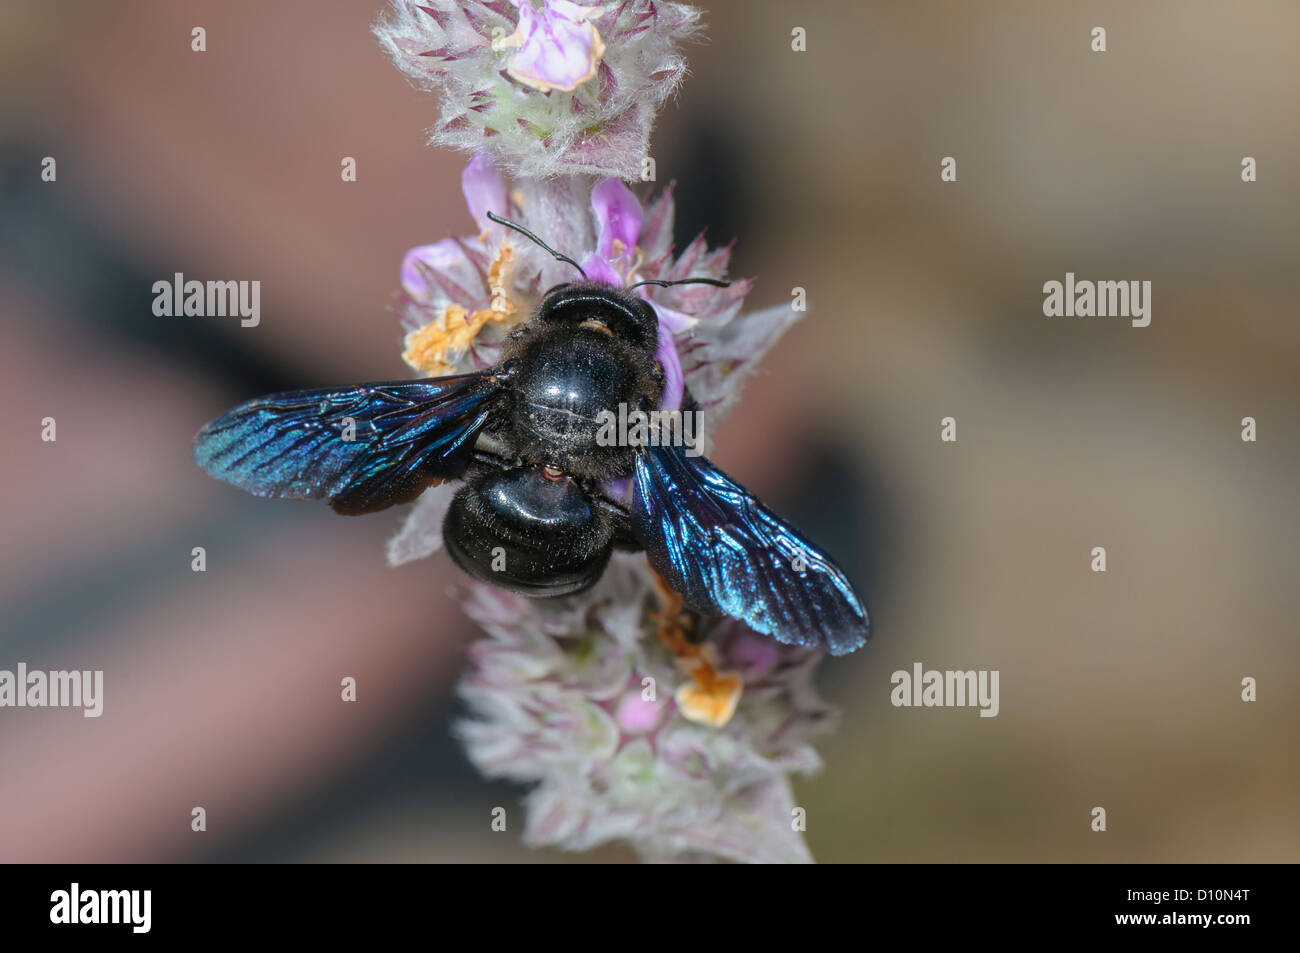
column 725, row 552
column 362, row 448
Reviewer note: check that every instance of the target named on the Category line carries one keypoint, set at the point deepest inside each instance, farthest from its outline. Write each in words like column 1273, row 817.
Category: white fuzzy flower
column 577, row 697
column 632, row 718
column 546, row 87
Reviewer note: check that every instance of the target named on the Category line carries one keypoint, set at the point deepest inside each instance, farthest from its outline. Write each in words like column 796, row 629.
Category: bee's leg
column 711, row 696
column 620, row 521
column 677, row 624
column 681, row 628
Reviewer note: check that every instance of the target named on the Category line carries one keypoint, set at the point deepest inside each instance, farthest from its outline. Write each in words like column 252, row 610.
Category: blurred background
column 1119, row 689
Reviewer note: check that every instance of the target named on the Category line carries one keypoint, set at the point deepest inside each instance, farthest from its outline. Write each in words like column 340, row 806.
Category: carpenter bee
column 541, row 509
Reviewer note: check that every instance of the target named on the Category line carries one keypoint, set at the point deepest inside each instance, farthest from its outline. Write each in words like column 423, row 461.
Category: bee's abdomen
column 530, row 530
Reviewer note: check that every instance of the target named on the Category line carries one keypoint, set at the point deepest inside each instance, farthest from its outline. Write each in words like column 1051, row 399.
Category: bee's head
column 603, row 308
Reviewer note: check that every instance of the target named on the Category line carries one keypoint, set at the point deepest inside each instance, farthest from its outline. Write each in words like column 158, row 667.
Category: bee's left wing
column 362, row 448
column 725, row 552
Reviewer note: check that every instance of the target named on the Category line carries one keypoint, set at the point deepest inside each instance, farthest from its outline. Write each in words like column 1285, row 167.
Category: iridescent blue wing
column 404, row 436
column 725, row 552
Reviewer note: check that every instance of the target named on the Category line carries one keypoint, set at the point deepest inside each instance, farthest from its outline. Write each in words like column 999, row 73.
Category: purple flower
column 546, row 88
column 558, row 48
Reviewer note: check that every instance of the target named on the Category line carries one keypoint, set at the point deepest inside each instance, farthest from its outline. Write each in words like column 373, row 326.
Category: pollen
column 435, row 347
column 709, row 697
column 499, row 278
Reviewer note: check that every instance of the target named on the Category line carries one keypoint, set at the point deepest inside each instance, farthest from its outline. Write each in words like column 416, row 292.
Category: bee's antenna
column 682, row 281
column 527, row 234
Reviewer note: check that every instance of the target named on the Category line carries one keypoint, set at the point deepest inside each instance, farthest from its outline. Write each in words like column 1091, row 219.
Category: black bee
column 539, row 512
